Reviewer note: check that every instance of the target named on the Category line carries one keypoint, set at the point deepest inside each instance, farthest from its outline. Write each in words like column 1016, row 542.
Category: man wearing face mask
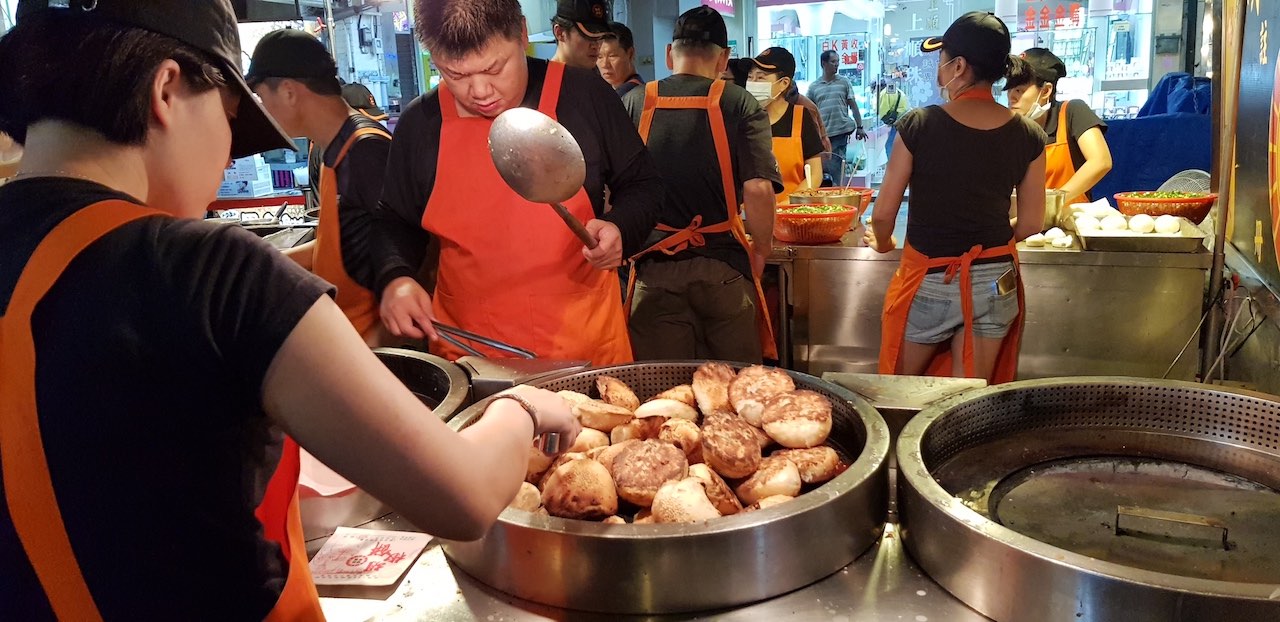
column 833, row 93
column 1076, row 154
column 796, row 139
column 697, row 290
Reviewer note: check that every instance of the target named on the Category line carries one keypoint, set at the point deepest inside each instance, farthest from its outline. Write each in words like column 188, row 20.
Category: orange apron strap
column 355, row 136
column 299, row 601
column 1064, row 132
column 650, row 105
column 551, row 89
column 797, row 125
column 29, row 493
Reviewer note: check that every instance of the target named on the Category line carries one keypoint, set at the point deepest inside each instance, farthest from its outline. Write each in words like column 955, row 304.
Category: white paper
column 366, row 557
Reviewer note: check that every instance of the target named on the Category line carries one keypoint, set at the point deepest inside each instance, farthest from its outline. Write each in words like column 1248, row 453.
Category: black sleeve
column 635, row 188
column 1034, row 140
column 757, row 160
column 399, row 241
column 360, row 177
column 634, row 103
column 810, row 139
column 909, row 126
column 1082, row 118
column 244, row 295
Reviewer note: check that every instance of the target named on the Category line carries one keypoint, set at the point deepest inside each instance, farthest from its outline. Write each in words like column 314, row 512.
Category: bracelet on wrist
column 528, row 407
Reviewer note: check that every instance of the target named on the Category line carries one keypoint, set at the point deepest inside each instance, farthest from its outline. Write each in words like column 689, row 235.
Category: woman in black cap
column 149, row 361
column 1076, row 154
column 954, row 306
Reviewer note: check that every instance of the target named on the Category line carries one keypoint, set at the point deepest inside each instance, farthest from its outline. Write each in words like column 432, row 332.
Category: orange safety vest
column 1058, row 165
column 28, row 486
column 509, row 268
column 692, row 235
column 789, row 152
column 902, row 291
column 357, row 303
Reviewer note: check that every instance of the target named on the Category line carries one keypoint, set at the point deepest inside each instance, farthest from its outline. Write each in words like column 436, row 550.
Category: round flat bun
column 573, row 397
column 729, row 446
column 711, row 387
column 641, row 469
column 816, row 464
column 637, row 429
column 528, row 498
column 799, row 419
column 580, row 489
column 614, row 520
column 587, row 440
column 685, row 435
column 753, row 386
column 776, row 476
column 616, row 392
column 718, row 491
column 598, row 415
column 682, row 393
column 557, row 463
column 683, row 501
column 667, row 409
column 768, row 502
column 539, row 463
column 608, row 454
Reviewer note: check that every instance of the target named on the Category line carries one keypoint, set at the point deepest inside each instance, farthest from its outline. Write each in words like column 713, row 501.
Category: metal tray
column 656, row 569
column 1189, row 240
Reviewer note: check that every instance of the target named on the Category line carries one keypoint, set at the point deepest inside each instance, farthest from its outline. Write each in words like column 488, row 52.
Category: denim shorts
column 936, row 314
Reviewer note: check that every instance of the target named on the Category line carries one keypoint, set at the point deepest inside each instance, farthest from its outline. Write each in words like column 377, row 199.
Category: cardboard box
column 256, row 188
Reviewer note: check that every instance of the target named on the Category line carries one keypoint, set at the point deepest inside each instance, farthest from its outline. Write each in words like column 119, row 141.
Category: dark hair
column 90, row 72
column 319, row 86
column 1021, row 73
column 991, row 69
column 740, row 67
column 696, row 47
column 460, row 27
column 827, row 54
column 623, row 35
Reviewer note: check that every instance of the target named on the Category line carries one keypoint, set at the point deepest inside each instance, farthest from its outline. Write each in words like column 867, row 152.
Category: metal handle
column 1178, row 518
column 448, row 333
column 577, row 226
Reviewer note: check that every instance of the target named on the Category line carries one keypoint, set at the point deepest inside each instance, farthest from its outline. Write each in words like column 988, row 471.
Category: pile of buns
column 728, row 442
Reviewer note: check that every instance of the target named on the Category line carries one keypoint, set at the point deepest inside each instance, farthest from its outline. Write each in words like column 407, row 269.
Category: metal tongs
column 454, row 336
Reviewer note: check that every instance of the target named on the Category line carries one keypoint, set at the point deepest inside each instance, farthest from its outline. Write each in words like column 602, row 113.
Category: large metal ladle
column 541, row 161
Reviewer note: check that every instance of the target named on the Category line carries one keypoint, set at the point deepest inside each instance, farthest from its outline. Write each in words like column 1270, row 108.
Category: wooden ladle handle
column 576, row 225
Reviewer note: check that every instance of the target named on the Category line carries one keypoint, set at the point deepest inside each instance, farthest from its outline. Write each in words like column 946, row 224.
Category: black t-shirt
column 682, row 147
column 962, row 178
column 359, row 178
column 150, row 355
column 591, row 111
column 1080, row 119
column 810, row 139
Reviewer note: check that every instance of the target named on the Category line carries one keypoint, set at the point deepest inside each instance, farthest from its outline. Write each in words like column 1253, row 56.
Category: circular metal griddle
column 675, row 568
column 1098, row 499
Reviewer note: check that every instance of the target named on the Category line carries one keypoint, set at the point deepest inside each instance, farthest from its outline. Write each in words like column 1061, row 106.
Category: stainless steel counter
column 1088, row 312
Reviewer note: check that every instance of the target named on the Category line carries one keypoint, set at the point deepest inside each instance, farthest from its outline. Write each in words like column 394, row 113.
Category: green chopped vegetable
column 817, row 209
column 1167, row 195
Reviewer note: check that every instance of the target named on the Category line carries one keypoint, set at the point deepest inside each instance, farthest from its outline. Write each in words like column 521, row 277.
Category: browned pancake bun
column 528, row 498
column 637, row 429
column 641, row 469
column 799, row 419
column 616, row 392
column 816, row 464
column 587, row 440
column 718, row 491
column 683, row 501
column 776, row 476
column 538, row 465
column 598, row 415
column 685, row 435
column 580, row 489
column 768, row 502
column 753, row 386
column 711, row 387
column 667, row 409
column 729, row 447
column 682, row 393
column 557, row 463
column 610, row 453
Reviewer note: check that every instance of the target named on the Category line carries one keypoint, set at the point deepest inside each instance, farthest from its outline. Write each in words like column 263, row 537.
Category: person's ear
column 671, row 61
column 165, row 91
column 722, row 64
column 1048, row 88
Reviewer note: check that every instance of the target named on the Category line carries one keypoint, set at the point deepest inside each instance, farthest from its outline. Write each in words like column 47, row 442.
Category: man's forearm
column 758, row 202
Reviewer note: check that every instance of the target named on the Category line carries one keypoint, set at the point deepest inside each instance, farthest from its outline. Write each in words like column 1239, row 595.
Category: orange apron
column 356, row 302
column 902, row 291
column 692, row 235
column 379, row 118
column 789, row 152
column 510, row 269
column 1058, row 166
column 29, row 493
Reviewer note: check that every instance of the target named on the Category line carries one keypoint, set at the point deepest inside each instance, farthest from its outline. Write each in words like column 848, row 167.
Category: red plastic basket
column 1191, row 208
column 796, row 228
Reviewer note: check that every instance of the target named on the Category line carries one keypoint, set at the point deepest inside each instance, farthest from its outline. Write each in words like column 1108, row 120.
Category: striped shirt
column 833, row 99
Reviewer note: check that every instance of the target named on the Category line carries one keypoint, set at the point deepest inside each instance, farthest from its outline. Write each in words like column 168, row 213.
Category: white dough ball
column 1035, row 240
column 1062, row 242
column 1114, row 222
column 1142, row 223
column 1168, row 224
column 1054, row 234
column 1086, row 224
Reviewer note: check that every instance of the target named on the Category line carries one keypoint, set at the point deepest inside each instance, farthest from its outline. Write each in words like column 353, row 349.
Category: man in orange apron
column 1076, row 153
column 509, row 269
column 617, row 62
column 697, row 290
column 297, row 80
column 797, row 142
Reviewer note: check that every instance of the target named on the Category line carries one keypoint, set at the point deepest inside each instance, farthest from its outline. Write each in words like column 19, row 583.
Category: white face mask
column 943, row 92
column 1038, row 110
column 762, row 91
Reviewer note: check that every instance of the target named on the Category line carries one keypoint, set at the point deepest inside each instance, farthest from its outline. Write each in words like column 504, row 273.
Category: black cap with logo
column 978, row 36
column 1045, row 64
column 290, row 53
column 777, row 60
column 591, row 16
column 359, row 97
column 206, row 25
column 702, row 23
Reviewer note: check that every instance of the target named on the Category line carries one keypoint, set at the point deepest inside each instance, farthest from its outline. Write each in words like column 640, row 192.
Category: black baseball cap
column 702, row 23
column 359, row 97
column 777, row 60
column 978, row 36
column 206, row 25
column 290, row 53
column 1045, row 64
column 591, row 16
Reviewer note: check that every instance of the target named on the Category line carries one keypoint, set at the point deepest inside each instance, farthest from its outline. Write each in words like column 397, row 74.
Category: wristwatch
column 525, row 404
